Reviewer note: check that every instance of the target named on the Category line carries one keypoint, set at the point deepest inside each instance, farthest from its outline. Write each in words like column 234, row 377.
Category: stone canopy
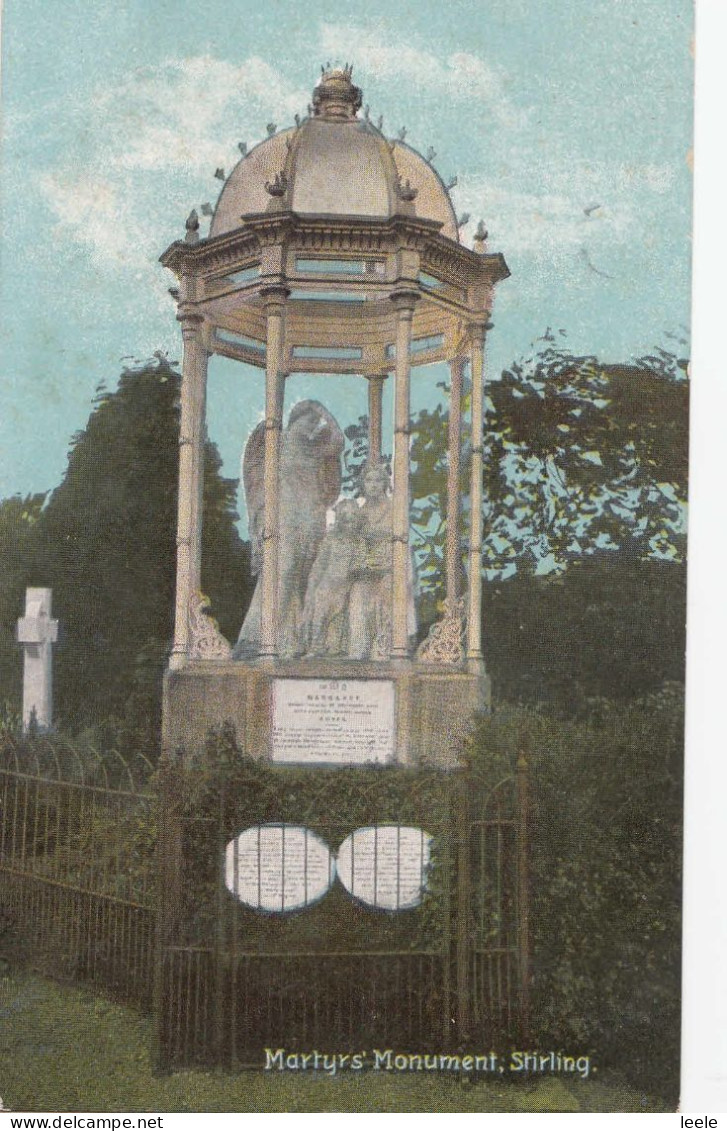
column 337, row 164
column 336, row 250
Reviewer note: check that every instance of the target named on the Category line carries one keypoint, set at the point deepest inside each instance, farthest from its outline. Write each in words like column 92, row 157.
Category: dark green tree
column 610, row 625
column 18, row 522
column 586, row 483
column 585, row 491
column 580, row 455
column 105, row 542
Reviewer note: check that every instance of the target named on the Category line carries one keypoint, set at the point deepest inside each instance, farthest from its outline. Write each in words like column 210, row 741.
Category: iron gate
column 342, row 974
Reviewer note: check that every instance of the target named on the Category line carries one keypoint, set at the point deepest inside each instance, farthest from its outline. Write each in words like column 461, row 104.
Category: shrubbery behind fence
column 112, row 875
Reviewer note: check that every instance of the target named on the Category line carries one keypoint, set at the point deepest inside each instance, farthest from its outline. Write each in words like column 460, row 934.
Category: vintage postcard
column 343, row 555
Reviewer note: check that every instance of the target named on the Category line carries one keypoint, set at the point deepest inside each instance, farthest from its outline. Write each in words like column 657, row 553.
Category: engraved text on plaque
column 332, row 721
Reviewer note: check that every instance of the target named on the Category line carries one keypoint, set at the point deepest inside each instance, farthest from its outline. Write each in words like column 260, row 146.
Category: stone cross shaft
column 37, row 632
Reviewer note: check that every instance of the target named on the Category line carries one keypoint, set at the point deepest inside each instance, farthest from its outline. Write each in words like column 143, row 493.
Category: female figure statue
column 325, row 612
column 369, row 609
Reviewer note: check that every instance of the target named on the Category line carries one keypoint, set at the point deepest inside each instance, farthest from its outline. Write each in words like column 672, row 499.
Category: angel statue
column 310, row 482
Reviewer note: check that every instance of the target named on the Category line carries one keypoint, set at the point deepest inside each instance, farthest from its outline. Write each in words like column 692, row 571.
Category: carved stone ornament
column 278, row 186
column 445, row 641
column 206, row 642
column 406, row 190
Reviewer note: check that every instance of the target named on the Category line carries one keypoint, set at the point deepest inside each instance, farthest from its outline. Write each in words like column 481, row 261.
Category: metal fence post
column 523, row 892
column 464, row 896
column 221, row 958
column 168, row 857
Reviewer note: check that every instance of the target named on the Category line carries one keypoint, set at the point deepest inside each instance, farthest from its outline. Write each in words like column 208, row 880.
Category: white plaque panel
column 278, row 867
column 333, row 721
column 386, row 866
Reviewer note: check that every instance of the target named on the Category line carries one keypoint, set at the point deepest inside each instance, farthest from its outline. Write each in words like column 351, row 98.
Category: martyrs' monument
column 333, row 250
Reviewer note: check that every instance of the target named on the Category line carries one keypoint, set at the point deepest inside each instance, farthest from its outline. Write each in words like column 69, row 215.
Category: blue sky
column 117, row 116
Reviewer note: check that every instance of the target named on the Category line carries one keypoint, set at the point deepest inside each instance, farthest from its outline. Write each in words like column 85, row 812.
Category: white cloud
column 95, row 212
column 461, row 76
column 186, row 113
column 147, row 149
column 578, row 207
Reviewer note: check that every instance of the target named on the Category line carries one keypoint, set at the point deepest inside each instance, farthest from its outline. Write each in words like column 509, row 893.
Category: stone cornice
column 215, row 253
column 444, row 255
column 330, row 234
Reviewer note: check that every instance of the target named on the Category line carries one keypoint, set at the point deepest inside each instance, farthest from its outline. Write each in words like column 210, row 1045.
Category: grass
column 64, row 1049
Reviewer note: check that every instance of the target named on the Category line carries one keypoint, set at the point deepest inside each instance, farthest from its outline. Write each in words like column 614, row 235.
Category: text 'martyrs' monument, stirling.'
column 332, row 250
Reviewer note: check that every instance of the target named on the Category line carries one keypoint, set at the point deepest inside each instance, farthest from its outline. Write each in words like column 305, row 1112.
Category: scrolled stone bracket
column 206, row 642
column 445, row 641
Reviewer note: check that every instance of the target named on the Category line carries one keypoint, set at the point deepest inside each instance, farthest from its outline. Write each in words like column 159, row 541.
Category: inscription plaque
column 386, row 866
column 333, row 721
column 278, row 867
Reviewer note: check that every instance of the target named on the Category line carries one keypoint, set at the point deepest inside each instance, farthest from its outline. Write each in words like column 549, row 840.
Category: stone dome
column 334, row 164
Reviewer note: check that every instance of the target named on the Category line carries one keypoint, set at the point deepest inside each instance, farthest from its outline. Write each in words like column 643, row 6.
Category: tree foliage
column 580, row 455
column 18, row 521
column 585, row 498
column 610, row 625
column 605, row 844
column 106, row 543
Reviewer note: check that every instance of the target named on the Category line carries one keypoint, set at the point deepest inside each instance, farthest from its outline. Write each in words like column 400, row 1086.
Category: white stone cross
column 37, row 632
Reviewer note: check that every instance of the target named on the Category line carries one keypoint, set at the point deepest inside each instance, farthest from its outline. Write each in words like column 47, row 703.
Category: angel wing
column 253, row 479
column 330, row 479
column 309, row 422
column 317, row 422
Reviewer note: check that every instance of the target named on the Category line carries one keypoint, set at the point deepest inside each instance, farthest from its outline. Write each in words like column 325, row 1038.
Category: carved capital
column 274, row 295
column 190, row 322
column 405, row 299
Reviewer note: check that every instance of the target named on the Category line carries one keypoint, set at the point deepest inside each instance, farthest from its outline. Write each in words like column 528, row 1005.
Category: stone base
column 433, row 712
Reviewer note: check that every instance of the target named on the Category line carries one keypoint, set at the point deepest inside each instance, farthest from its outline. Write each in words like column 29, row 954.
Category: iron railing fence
column 77, row 863
column 254, row 907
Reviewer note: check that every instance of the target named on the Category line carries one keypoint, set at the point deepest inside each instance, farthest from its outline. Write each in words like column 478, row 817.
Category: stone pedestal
column 351, row 712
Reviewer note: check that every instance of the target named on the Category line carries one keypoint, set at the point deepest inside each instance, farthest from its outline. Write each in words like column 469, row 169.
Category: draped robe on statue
column 310, row 482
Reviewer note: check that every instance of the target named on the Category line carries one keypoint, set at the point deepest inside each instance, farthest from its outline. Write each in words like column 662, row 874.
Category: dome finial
column 480, row 237
column 335, row 95
column 192, row 227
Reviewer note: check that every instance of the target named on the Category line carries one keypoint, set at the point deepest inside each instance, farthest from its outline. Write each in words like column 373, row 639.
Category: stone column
column 404, row 301
column 37, row 632
column 376, row 395
column 474, row 595
column 191, row 474
column 274, row 298
column 452, row 557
